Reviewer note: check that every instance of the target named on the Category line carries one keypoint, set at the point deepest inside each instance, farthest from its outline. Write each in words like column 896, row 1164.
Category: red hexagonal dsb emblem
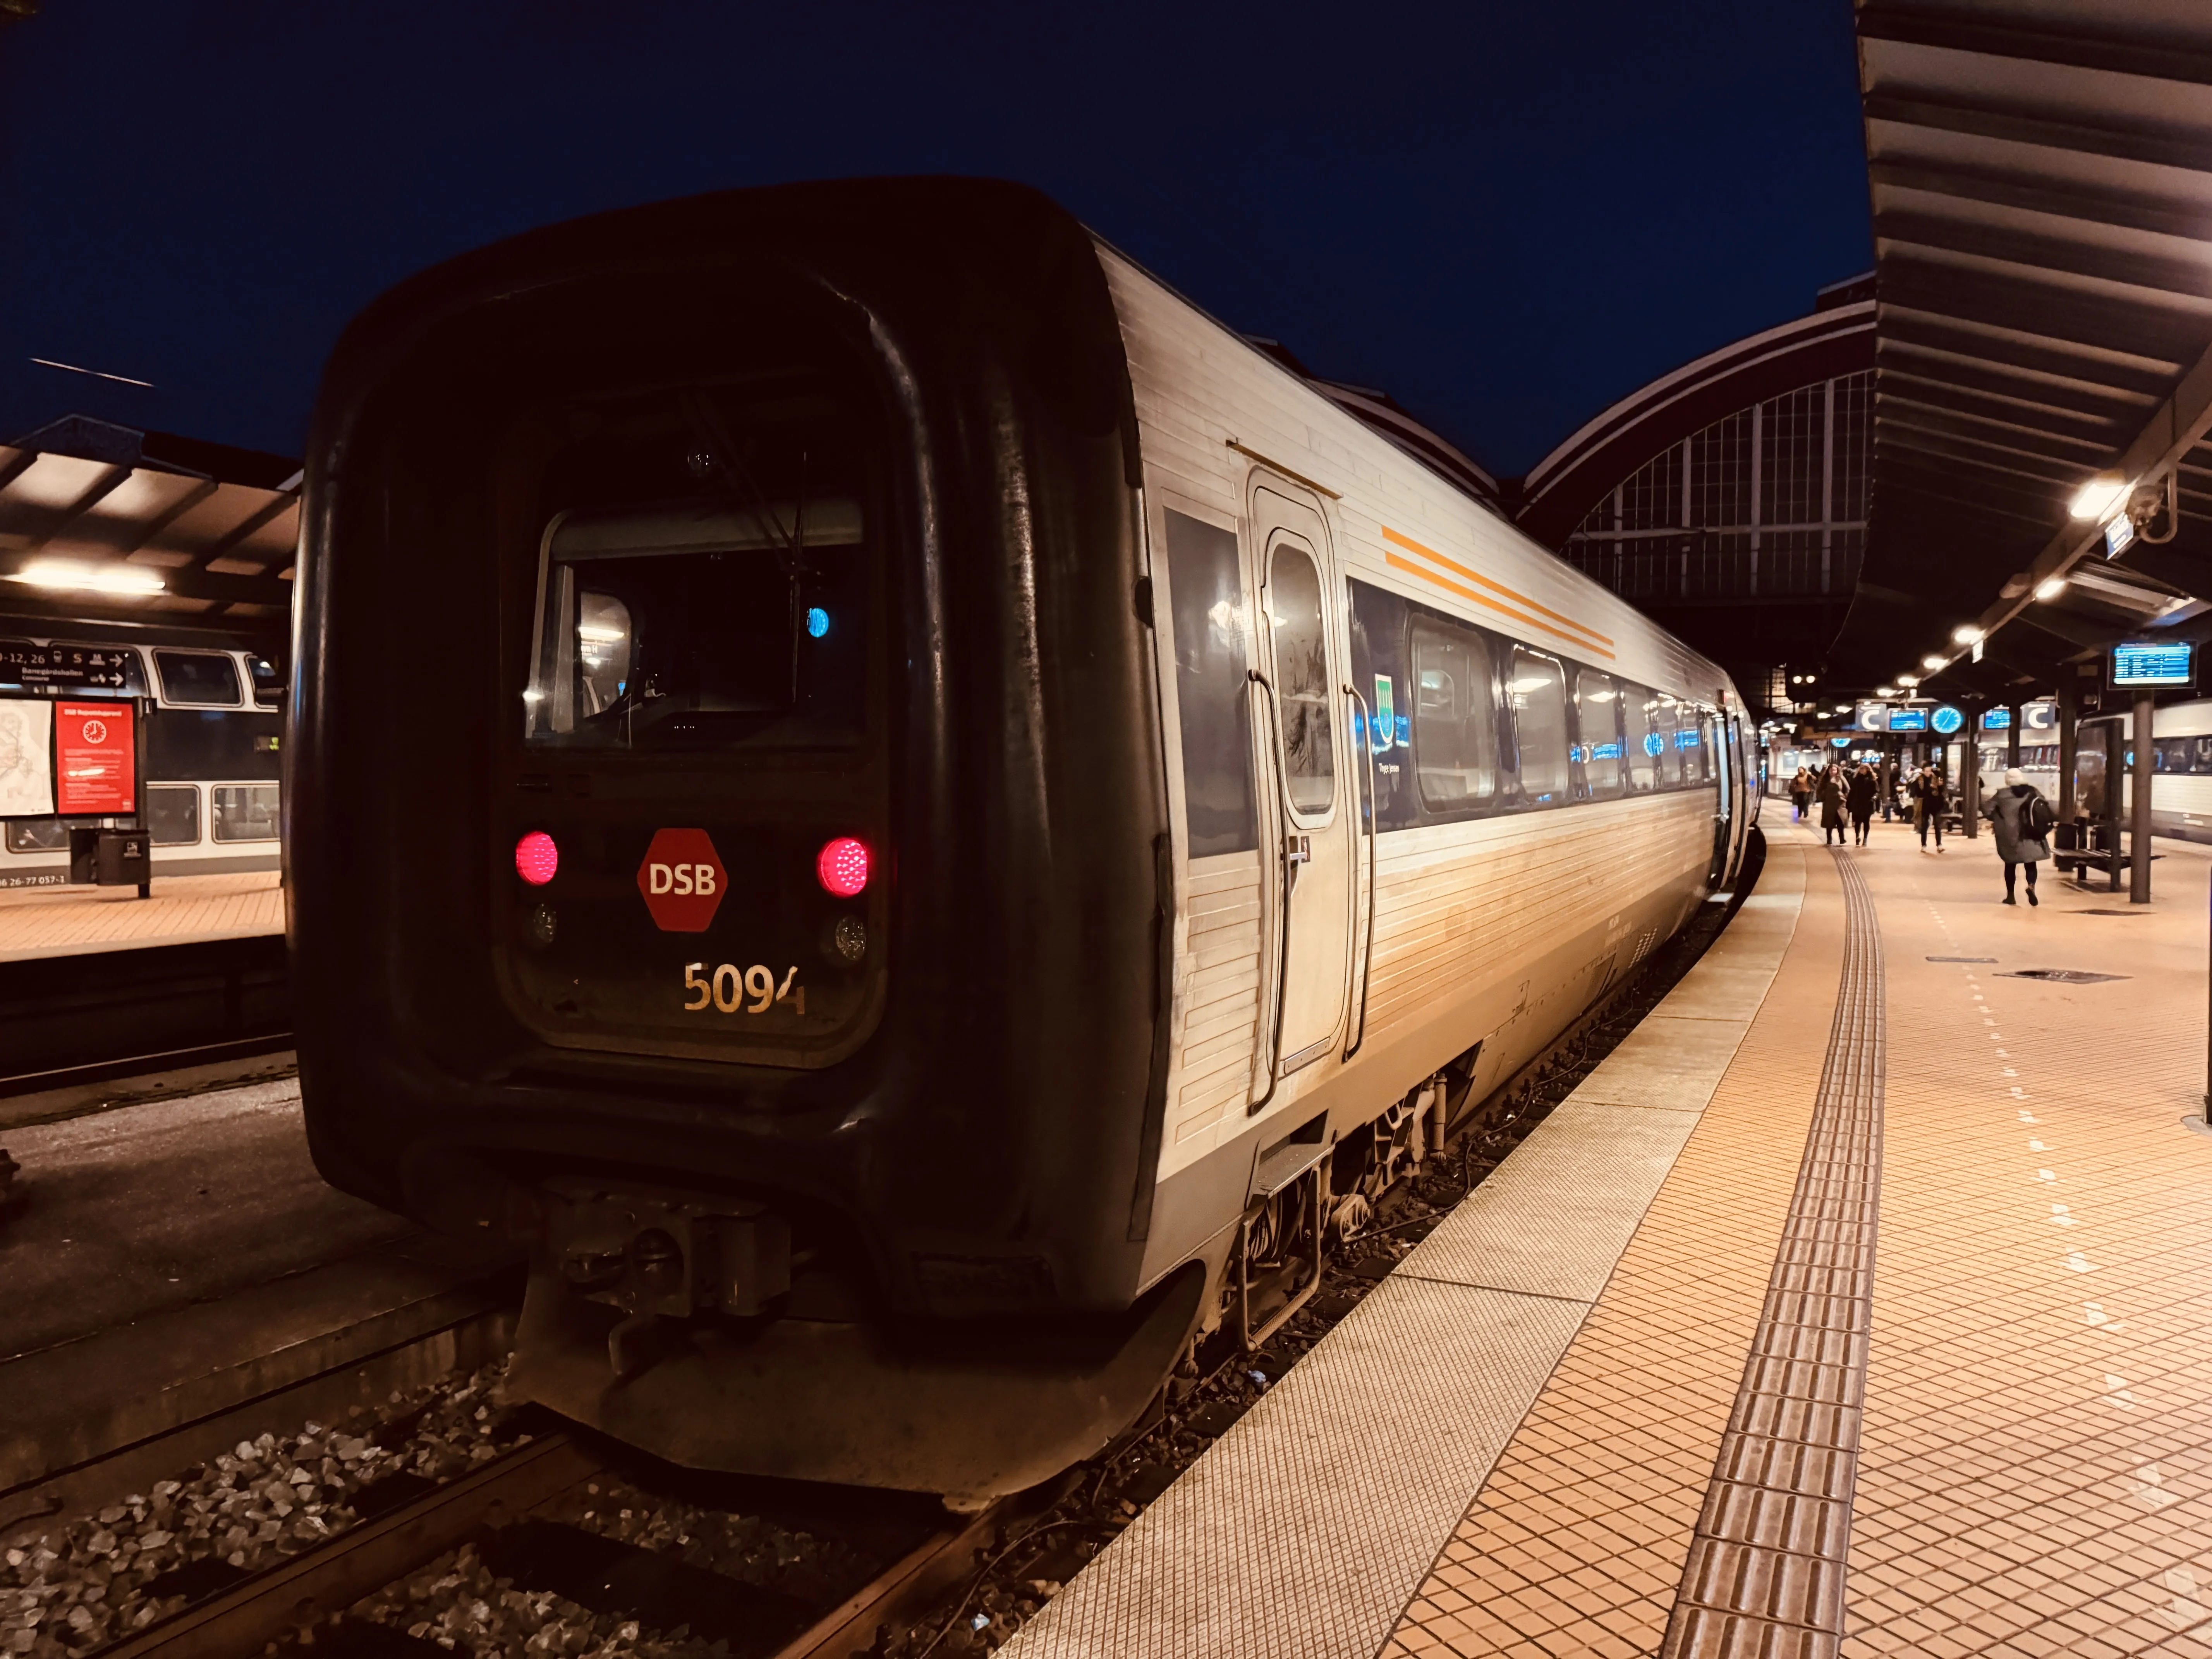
column 682, row 880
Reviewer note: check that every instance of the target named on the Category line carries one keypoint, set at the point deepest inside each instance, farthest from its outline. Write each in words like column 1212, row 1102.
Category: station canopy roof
column 2041, row 174
column 105, row 523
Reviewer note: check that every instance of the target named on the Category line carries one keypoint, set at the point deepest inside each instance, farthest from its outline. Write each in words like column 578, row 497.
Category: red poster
column 95, row 758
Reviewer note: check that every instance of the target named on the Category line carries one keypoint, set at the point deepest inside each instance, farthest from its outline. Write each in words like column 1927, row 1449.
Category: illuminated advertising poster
column 27, row 757
column 96, row 758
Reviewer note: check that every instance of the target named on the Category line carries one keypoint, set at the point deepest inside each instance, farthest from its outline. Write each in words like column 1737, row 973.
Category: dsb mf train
column 961, row 816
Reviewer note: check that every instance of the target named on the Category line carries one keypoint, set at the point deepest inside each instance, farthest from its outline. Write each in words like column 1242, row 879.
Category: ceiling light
column 1908, row 681
column 2051, row 587
column 1965, row 634
column 88, row 578
column 1933, row 664
column 1885, row 691
column 2098, row 497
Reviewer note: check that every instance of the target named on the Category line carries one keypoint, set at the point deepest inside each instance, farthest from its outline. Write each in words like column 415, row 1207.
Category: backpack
column 2040, row 817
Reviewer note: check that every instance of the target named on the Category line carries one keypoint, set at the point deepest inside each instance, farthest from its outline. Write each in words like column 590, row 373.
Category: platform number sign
column 682, row 880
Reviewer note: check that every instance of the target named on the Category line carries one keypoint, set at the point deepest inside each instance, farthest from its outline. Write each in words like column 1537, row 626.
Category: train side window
column 1666, row 724
column 245, row 812
column 1597, row 705
column 603, row 652
column 268, row 681
column 2204, row 755
column 208, row 679
column 1300, row 640
column 1639, row 709
column 1694, row 742
column 1455, row 718
column 173, row 814
column 1214, row 701
column 1538, row 690
column 2173, row 753
column 37, row 835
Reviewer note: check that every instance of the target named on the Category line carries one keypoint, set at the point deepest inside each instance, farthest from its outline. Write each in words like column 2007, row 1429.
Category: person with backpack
column 2023, row 820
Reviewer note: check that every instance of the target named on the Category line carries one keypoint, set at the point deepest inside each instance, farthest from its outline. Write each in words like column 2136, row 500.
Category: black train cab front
column 727, row 822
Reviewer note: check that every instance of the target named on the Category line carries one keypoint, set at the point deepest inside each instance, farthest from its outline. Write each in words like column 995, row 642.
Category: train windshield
column 734, row 615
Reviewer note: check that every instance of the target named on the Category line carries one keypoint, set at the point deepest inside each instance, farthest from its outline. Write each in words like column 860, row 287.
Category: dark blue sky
column 1505, row 214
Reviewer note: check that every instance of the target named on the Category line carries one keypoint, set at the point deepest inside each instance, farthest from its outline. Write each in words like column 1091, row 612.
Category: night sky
column 1506, row 215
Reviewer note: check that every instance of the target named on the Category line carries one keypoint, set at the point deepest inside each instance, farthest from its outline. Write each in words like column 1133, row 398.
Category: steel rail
column 279, row 1599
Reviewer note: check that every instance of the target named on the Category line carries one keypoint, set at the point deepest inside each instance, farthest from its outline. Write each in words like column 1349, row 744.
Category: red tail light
column 536, row 858
column 842, row 865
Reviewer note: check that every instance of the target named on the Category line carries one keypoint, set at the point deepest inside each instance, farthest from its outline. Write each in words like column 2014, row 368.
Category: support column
column 1969, row 775
column 2139, row 808
column 2068, row 747
column 2012, row 735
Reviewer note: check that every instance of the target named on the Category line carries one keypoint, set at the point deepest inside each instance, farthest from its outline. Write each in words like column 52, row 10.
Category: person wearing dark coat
column 1831, row 805
column 1931, row 798
column 1859, row 798
column 2018, row 843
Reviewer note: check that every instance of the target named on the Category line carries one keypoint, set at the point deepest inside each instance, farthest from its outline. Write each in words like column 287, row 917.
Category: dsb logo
column 682, row 880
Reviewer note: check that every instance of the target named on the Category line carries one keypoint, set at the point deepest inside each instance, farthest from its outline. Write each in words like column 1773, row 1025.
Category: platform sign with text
column 2161, row 662
column 95, row 758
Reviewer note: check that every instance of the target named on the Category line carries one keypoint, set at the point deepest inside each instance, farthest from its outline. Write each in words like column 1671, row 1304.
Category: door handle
column 1297, row 849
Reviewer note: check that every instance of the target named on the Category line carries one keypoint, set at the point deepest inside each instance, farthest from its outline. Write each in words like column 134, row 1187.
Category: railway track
column 498, row 1508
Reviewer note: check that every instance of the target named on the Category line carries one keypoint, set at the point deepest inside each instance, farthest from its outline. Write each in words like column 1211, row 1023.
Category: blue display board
column 1997, row 720
column 2162, row 662
column 1908, row 720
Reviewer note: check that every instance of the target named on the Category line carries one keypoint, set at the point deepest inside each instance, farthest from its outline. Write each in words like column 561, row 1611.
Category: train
column 214, row 708
column 922, row 821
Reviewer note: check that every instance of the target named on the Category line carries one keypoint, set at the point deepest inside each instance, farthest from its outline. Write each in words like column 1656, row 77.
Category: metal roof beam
column 2156, row 142
column 2134, row 48
column 2145, row 279
column 2163, row 215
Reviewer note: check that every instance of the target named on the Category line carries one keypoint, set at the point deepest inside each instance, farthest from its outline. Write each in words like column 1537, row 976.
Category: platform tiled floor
column 46, row 921
column 2035, row 1474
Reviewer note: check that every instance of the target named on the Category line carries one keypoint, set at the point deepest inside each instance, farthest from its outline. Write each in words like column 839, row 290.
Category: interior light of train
column 2099, row 497
column 604, row 635
column 818, row 622
column 88, row 578
column 536, row 858
column 2049, row 587
column 842, row 866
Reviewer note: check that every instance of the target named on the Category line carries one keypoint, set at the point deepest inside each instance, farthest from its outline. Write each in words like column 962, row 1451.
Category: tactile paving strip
column 1766, row 1570
column 1297, row 1533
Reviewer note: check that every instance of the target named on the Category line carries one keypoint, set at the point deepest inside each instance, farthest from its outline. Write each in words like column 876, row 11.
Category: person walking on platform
column 2022, row 819
column 1831, row 805
column 1931, row 798
column 1860, row 798
column 1799, row 787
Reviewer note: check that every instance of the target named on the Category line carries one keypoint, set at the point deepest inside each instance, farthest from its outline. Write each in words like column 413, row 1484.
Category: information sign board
column 1908, row 720
column 2161, row 662
column 1997, row 719
column 1872, row 717
column 96, row 758
column 68, row 666
column 27, row 757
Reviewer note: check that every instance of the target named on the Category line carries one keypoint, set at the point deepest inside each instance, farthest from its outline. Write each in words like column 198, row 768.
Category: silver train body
column 1300, row 801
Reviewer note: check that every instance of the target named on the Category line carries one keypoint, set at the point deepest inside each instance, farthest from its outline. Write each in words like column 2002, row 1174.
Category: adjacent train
column 214, row 721
column 922, row 819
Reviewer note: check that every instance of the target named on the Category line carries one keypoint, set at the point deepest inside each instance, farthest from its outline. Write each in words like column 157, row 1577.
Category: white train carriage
column 212, row 781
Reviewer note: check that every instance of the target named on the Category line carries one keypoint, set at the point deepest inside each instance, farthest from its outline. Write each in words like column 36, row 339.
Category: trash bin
column 110, row 858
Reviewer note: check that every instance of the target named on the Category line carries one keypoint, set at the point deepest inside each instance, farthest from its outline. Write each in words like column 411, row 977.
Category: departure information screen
column 1908, row 720
column 2162, row 664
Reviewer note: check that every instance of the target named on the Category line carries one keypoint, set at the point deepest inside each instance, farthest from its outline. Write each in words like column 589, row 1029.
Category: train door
column 1723, row 755
column 1312, row 764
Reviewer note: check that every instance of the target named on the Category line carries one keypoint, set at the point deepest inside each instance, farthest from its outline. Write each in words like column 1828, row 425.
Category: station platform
column 1860, row 1302
column 60, row 922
